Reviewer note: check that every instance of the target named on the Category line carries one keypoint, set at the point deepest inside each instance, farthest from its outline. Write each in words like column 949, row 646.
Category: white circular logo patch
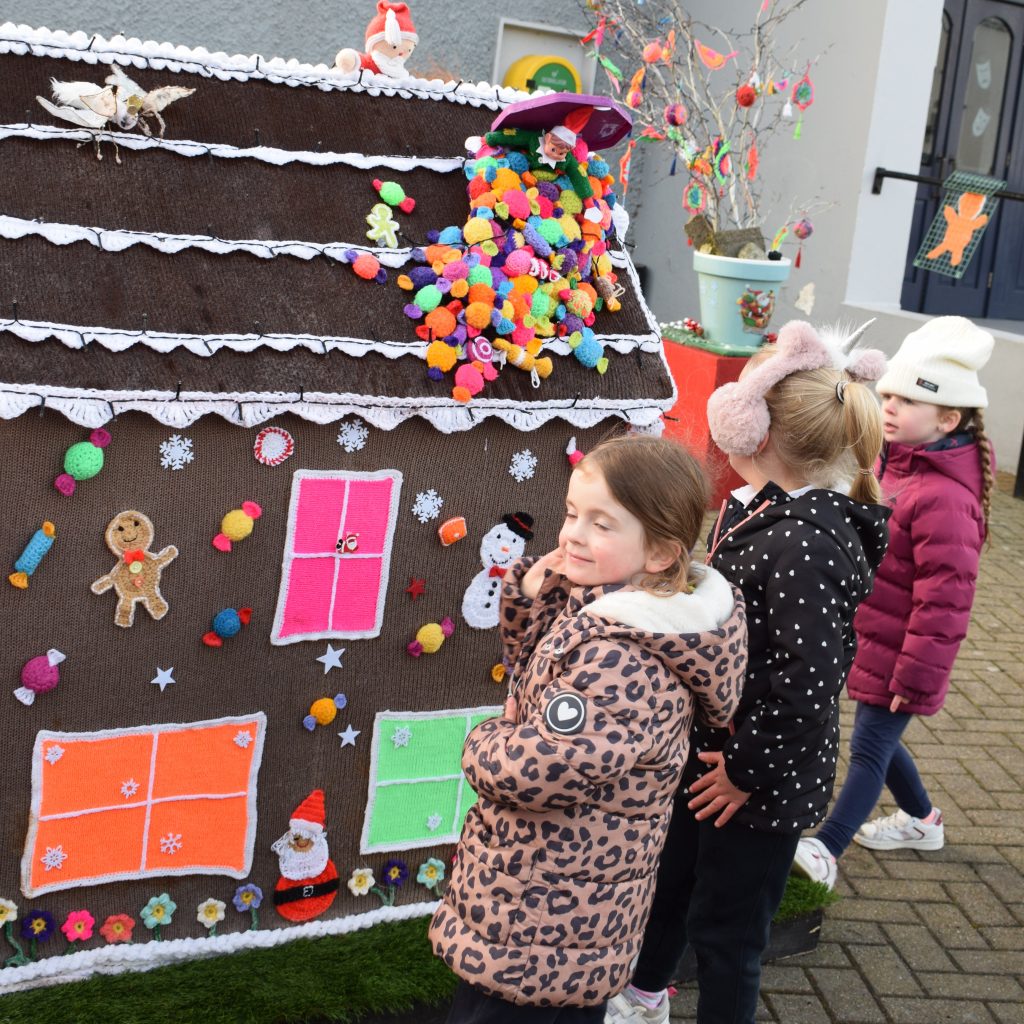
column 566, row 714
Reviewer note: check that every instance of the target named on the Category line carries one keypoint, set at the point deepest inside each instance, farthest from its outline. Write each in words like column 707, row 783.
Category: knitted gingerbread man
column 136, row 577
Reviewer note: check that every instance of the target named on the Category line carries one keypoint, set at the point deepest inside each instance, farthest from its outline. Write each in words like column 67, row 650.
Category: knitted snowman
column 500, row 547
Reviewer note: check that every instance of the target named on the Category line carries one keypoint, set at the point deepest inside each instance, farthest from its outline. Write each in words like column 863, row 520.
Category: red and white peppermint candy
column 273, row 445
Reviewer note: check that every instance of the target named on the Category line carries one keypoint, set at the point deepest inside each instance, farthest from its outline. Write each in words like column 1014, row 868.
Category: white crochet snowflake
column 170, row 843
column 54, row 857
column 427, row 505
column 352, row 436
column 243, row 738
column 129, row 788
column 176, row 452
column 433, row 822
column 401, row 736
column 54, row 754
column 523, row 465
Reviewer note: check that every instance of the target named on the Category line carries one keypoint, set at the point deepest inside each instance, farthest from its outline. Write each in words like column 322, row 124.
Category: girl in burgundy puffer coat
column 936, row 469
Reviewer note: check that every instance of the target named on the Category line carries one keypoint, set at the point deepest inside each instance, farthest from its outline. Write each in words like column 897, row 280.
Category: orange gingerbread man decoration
column 136, row 577
column 961, row 224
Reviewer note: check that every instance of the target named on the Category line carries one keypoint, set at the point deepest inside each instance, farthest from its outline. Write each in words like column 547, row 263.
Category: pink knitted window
column 336, row 555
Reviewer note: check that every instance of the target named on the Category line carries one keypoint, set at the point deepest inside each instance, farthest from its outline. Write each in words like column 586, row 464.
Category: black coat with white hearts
column 803, row 565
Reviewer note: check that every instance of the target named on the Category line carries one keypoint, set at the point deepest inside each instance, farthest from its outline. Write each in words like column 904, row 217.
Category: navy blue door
column 975, row 123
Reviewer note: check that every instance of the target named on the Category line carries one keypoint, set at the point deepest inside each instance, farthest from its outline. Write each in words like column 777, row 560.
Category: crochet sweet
column 82, row 461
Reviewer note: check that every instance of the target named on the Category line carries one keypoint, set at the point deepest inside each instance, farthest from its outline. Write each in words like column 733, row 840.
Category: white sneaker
column 624, row 1009
column 900, row 831
column 814, row 861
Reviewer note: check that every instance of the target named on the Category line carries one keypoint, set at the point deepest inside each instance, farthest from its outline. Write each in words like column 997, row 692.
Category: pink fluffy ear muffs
column 738, row 413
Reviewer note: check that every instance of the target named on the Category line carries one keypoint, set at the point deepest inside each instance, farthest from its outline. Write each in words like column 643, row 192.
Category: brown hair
column 661, row 484
column 973, row 421
column 829, row 427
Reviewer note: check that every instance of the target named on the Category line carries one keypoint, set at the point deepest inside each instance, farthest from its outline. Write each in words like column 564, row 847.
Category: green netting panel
column 969, row 203
column 418, row 795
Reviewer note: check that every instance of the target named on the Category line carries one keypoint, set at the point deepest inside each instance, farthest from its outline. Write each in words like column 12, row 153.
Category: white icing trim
column 267, row 154
column 92, row 407
column 118, row 239
column 435, row 838
column 115, row 340
column 144, row 956
column 290, row 557
column 80, row 46
column 257, row 719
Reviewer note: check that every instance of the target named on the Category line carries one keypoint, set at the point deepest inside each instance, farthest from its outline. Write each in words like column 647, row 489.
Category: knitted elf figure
column 551, row 149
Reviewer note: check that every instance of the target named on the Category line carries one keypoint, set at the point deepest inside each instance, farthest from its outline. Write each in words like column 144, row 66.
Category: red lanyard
column 716, row 540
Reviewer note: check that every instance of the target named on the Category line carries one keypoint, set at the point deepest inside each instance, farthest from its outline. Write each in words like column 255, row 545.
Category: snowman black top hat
column 520, row 523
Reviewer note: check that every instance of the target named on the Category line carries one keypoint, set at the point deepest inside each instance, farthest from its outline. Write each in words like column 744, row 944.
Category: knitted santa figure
column 390, row 39
column 309, row 879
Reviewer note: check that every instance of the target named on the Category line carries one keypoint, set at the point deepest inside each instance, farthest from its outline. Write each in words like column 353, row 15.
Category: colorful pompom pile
column 530, row 263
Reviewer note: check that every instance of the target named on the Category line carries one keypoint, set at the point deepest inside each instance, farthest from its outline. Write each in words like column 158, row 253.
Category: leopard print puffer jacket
column 555, row 871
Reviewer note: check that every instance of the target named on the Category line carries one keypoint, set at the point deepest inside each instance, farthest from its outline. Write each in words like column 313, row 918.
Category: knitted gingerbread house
column 253, row 545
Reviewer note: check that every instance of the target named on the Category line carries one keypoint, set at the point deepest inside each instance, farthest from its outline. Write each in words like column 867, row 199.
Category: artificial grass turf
column 380, row 971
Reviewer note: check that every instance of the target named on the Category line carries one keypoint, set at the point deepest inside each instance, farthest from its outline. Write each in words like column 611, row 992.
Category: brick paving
column 921, row 938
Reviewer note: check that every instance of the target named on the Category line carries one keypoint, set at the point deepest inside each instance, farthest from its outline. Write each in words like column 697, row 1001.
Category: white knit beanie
column 939, row 362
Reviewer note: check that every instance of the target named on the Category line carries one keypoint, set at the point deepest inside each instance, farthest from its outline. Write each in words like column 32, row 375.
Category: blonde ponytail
column 863, row 427
column 828, row 427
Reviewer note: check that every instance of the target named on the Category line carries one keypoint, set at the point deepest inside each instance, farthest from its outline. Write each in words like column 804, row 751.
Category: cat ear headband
column 738, row 413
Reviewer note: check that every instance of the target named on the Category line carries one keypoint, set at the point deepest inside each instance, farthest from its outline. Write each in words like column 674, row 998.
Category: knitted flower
column 431, row 873
column 8, row 912
column 158, row 912
column 361, row 882
column 395, row 872
column 247, row 897
column 38, row 926
column 78, row 926
column 118, row 928
column 209, row 914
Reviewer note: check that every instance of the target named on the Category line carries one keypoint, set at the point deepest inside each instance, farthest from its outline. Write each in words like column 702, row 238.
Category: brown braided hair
column 973, row 421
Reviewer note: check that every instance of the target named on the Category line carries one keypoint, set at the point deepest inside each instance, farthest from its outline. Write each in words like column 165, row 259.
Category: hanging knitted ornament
column 695, row 197
column 803, row 229
column 803, row 97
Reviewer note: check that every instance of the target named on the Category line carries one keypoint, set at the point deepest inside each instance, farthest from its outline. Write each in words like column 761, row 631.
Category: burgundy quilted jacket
column 910, row 628
column 555, row 871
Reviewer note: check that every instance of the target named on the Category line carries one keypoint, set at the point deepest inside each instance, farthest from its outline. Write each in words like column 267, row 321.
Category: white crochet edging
column 120, row 958
column 119, row 239
column 90, row 407
column 373, row 784
column 267, row 154
column 291, row 557
column 80, row 46
column 74, row 336
column 36, row 817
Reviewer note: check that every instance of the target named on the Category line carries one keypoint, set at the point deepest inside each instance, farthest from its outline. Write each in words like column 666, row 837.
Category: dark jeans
column 718, row 888
column 877, row 757
column 471, row 1006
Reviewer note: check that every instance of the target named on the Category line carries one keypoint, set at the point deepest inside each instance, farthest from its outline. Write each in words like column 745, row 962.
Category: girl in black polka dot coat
column 803, row 552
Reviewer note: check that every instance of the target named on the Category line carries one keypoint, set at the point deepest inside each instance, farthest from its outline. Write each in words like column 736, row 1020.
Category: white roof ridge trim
column 95, row 49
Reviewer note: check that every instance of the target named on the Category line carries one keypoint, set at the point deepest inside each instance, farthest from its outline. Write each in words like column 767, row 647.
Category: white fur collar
column 706, row 608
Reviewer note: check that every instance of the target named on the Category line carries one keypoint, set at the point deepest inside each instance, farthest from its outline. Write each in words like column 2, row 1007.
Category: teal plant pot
column 737, row 299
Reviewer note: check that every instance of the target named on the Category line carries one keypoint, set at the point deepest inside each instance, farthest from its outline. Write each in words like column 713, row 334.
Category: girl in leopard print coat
column 616, row 643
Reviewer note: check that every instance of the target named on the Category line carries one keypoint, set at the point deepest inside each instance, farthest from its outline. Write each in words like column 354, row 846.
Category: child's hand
column 534, row 576
column 897, row 700
column 511, row 711
column 715, row 793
